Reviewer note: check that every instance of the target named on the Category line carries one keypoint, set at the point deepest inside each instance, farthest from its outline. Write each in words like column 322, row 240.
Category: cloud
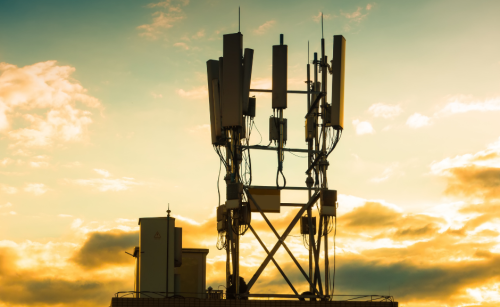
column 362, row 127
column 200, row 92
column 200, row 128
column 105, row 184
column 6, row 161
column 418, row 120
column 489, row 157
column 36, row 188
column 199, row 34
column 384, row 110
column 102, row 172
column 456, row 105
column 48, row 284
column 6, row 205
column 7, row 189
column 76, row 223
column 170, row 13
column 264, row 27
column 317, row 18
column 39, row 162
column 359, row 14
column 40, row 105
column 103, row 249
column 462, row 104
column 416, row 282
column 388, row 172
column 182, row 45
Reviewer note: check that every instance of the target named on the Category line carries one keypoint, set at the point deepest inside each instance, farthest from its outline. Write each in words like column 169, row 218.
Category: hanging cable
column 218, row 178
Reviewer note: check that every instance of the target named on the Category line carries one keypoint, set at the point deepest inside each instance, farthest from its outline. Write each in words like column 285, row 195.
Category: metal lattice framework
column 232, row 121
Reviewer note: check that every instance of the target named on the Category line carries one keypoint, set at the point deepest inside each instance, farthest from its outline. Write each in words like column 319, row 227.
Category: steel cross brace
column 274, row 261
column 281, row 240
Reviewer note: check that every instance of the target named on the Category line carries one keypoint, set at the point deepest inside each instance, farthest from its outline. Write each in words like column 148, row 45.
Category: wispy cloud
column 489, row 157
column 363, row 127
column 200, row 92
column 418, row 120
column 200, row 128
column 199, row 34
column 169, row 14
column 182, row 45
column 458, row 104
column 317, row 18
column 108, row 183
column 462, row 104
column 359, row 14
column 36, row 188
column 385, row 111
column 388, row 172
column 102, row 172
column 7, row 189
column 264, row 27
column 105, row 184
column 6, row 205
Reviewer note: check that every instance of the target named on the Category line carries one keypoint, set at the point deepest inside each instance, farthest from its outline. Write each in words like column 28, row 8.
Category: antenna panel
column 280, row 76
column 214, row 102
column 338, row 67
column 247, row 78
column 251, row 107
column 232, row 111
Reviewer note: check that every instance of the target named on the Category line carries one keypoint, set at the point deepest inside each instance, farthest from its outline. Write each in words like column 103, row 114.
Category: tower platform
column 190, row 302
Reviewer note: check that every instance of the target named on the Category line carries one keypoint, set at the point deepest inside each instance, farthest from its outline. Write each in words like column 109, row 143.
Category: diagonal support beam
column 281, row 240
column 317, row 273
column 274, row 261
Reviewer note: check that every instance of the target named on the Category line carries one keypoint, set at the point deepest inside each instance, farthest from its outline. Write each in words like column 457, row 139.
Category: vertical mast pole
column 324, row 70
column 229, row 232
column 309, row 161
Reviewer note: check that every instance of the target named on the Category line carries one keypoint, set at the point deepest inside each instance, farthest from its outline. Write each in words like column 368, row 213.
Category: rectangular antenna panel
column 338, row 68
column 274, row 129
column 328, row 202
column 247, row 78
column 251, row 106
column 232, row 110
column 268, row 200
column 304, row 225
column 310, row 127
column 280, row 76
column 214, row 102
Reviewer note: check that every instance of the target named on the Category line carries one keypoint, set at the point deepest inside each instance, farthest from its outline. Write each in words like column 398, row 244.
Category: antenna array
column 232, row 113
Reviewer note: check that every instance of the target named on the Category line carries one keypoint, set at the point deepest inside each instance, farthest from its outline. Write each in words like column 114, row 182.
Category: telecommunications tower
column 232, row 111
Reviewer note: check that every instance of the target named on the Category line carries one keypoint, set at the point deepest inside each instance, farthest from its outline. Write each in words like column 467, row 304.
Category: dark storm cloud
column 416, row 232
column 406, row 280
column 370, row 215
column 410, row 280
column 475, row 181
column 32, row 287
column 107, row 248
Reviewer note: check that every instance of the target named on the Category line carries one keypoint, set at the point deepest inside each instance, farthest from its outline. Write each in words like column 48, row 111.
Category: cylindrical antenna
column 281, row 39
column 239, row 19
column 307, row 52
column 322, row 25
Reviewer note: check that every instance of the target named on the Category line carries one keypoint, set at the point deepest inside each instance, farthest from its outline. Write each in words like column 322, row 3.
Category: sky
column 104, row 119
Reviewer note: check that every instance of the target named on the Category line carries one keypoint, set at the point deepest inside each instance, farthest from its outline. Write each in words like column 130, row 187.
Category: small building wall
column 193, row 272
column 152, row 256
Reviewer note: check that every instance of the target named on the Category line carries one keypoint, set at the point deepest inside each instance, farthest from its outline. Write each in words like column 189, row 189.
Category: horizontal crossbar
column 289, row 92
